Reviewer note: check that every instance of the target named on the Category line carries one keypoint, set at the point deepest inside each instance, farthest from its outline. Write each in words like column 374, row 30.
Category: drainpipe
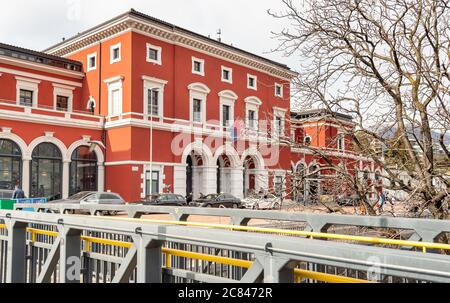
column 103, row 138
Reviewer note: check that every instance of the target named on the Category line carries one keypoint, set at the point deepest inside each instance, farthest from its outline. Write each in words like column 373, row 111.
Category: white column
column 197, row 181
column 179, row 180
column 101, row 177
column 209, row 179
column 26, row 176
column 237, row 182
column 65, row 179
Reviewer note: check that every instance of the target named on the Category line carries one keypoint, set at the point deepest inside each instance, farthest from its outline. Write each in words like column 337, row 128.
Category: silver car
column 92, row 197
column 267, row 201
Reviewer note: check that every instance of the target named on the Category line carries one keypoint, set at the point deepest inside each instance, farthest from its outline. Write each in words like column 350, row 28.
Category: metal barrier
column 419, row 229
column 38, row 247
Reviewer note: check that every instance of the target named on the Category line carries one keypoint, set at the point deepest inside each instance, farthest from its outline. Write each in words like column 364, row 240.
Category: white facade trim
column 280, row 86
column 30, row 85
column 59, row 90
column 115, row 84
column 88, row 64
column 202, row 66
column 40, row 77
column 228, row 98
column 158, row 49
column 113, row 60
column 154, row 83
column 230, row 73
column 200, row 92
column 255, row 78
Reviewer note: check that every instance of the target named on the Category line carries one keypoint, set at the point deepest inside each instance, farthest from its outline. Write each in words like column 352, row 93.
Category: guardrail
column 426, row 230
column 39, row 247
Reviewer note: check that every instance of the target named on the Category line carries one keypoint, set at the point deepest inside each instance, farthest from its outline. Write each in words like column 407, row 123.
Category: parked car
column 218, row 200
column 267, row 201
column 6, row 194
column 347, row 200
column 92, row 197
column 166, row 200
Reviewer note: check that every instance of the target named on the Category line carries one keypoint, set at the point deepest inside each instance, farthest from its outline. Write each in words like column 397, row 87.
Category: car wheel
column 235, row 205
column 276, row 206
column 208, row 206
column 113, row 213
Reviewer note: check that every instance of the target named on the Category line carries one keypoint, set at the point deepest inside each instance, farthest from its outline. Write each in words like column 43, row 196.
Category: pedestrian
column 18, row 193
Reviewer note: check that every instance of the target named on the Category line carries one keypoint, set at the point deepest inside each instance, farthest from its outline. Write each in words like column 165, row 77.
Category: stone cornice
column 174, row 36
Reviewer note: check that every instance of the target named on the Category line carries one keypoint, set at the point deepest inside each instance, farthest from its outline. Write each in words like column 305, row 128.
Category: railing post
column 70, row 256
column 149, row 260
column 17, row 251
column 277, row 269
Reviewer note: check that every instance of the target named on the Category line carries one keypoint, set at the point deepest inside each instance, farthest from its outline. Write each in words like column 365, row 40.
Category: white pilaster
column 209, row 179
column 179, row 180
column 197, row 188
column 65, row 179
column 237, row 182
column 101, row 176
column 26, row 176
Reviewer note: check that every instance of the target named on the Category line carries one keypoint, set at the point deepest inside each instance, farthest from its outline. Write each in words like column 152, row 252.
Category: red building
column 137, row 105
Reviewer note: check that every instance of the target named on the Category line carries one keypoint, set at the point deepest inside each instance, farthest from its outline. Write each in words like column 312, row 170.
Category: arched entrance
column 83, row 170
column 249, row 176
column 10, row 164
column 46, row 171
column 197, row 181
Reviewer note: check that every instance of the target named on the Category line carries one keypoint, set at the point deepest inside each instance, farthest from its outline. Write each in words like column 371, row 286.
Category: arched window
column 83, row 170
column 10, row 164
column 46, row 171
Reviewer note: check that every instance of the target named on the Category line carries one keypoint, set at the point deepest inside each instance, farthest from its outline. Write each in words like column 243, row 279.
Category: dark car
column 218, row 200
column 166, row 200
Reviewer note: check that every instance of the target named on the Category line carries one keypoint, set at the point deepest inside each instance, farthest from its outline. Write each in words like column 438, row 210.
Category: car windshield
column 79, row 195
column 210, row 197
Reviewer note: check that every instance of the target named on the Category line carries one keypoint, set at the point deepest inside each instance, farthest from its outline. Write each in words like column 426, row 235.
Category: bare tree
column 386, row 63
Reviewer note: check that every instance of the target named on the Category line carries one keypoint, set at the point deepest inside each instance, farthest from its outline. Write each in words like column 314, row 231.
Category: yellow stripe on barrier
column 298, row 273
column 362, row 239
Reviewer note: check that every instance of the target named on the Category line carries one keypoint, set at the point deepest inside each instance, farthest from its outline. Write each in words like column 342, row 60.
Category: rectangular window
column 197, row 110
column 91, row 62
column 115, row 102
column 198, row 66
column 279, row 126
column 152, row 183
column 252, row 119
column 225, row 115
column 115, row 54
column 227, row 74
column 252, row 82
column 62, row 103
column 26, row 97
column 278, row 90
column 153, row 102
column 154, row 54
column 341, row 143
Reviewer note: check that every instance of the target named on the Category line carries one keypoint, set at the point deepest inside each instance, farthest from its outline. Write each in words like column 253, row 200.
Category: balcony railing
column 14, row 107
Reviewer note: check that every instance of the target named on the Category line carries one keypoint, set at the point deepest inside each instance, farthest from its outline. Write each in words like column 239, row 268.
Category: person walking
column 18, row 193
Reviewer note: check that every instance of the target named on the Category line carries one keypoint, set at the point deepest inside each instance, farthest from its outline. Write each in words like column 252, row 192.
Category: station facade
column 139, row 106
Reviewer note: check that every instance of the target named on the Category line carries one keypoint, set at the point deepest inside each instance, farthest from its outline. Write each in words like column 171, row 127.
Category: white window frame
column 248, row 82
column 156, row 48
column 89, row 57
column 64, row 91
column 154, row 83
column 200, row 92
column 252, row 103
column 278, row 85
column 280, row 113
column 111, row 53
column 202, row 66
column 162, row 177
column 230, row 71
column 27, row 84
column 340, row 136
column 227, row 98
column 115, row 83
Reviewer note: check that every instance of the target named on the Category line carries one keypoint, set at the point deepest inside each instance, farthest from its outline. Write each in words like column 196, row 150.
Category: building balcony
column 11, row 110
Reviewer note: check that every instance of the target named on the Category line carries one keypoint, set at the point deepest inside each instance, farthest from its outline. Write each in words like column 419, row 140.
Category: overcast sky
column 245, row 23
